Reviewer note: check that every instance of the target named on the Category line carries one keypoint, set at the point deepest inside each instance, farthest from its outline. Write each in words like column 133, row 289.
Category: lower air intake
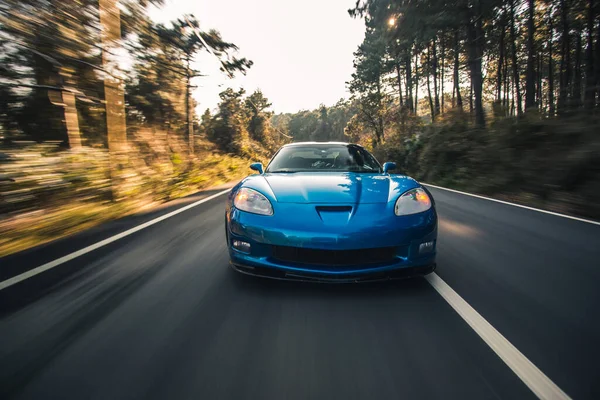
column 301, row 255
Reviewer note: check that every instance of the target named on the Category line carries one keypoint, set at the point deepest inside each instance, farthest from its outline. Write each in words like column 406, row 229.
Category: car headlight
column 412, row 202
column 253, row 202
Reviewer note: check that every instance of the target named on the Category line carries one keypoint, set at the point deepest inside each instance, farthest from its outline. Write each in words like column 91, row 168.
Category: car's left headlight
column 251, row 201
column 412, row 202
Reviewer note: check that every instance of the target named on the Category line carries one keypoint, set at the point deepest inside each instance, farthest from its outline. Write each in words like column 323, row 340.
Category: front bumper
column 401, row 236
column 286, row 274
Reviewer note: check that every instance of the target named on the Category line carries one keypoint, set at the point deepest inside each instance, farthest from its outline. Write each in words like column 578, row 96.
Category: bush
column 549, row 161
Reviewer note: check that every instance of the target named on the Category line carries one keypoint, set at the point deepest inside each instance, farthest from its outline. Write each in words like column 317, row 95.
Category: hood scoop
column 333, row 208
column 334, row 215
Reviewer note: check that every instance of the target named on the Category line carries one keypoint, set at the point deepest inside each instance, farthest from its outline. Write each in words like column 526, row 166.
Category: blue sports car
column 330, row 212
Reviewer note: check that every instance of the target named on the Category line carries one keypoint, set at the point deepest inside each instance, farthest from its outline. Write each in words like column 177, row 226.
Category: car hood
column 337, row 188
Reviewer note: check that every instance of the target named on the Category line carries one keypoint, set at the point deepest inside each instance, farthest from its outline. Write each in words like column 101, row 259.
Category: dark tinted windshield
column 308, row 158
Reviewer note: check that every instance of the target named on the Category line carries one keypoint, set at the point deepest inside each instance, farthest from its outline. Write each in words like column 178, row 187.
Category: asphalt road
column 159, row 315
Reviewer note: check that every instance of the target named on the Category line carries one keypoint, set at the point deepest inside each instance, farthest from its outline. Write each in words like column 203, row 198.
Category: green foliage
column 322, row 124
column 258, row 118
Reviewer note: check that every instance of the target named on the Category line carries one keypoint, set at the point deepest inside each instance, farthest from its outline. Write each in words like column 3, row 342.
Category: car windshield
column 322, row 158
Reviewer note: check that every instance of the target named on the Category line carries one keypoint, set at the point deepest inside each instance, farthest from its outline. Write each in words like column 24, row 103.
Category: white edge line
column 589, row 221
column 531, row 376
column 38, row 270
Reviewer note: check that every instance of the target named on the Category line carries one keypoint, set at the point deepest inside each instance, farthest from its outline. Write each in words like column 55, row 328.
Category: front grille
column 379, row 255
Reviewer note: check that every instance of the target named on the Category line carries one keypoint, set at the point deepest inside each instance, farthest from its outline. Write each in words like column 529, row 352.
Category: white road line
column 45, row 267
column 589, row 221
column 531, row 376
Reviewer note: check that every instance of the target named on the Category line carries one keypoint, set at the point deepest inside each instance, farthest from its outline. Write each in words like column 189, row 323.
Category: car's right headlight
column 412, row 202
column 251, row 201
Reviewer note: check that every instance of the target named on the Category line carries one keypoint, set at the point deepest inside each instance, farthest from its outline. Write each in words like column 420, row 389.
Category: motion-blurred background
column 99, row 118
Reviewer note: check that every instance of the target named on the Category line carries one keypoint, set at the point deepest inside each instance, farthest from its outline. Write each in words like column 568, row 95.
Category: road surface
column 158, row 314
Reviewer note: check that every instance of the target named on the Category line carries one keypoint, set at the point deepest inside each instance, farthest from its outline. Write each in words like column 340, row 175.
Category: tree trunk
column 539, row 84
column 597, row 62
column 500, row 57
column 471, row 95
column 435, row 77
column 506, row 86
column 431, row 107
column 577, row 76
column 590, row 84
column 512, row 101
column 515, row 65
column 550, row 68
column 459, row 102
column 565, row 59
column 71, row 120
column 69, row 105
column 530, row 74
column 475, row 40
column 110, row 20
column 416, row 83
column 399, row 76
column 380, row 128
column 409, row 85
column 442, row 74
column 188, row 107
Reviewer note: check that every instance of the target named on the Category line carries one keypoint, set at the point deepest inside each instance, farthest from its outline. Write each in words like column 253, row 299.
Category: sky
column 302, row 50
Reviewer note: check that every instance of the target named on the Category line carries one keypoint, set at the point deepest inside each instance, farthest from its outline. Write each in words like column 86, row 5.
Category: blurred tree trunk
column 565, row 58
column 380, row 127
column 515, row 63
column 577, row 74
column 110, row 19
column 471, row 96
column 475, row 40
column 500, row 57
column 550, row 66
column 590, row 84
column 459, row 102
column 409, row 85
column 431, row 107
column 506, row 86
column 443, row 67
column 399, row 77
column 597, row 62
column 435, row 77
column 530, row 74
column 189, row 113
column 71, row 120
column 539, row 84
column 416, row 83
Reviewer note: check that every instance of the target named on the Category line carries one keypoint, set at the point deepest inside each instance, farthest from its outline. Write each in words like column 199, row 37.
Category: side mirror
column 257, row 167
column 388, row 166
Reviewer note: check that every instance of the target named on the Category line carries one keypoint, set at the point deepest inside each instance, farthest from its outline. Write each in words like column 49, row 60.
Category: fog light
column 426, row 247
column 241, row 246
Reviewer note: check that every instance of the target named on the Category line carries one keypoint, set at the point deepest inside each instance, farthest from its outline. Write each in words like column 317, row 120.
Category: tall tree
column 590, row 84
column 551, row 108
column 257, row 106
column 434, row 66
column 456, row 74
column 186, row 36
column 565, row 57
column 514, row 58
column 530, row 74
column 502, row 27
column 475, row 40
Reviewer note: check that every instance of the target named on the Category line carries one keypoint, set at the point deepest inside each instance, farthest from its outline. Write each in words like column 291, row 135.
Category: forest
column 496, row 97
column 489, row 96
